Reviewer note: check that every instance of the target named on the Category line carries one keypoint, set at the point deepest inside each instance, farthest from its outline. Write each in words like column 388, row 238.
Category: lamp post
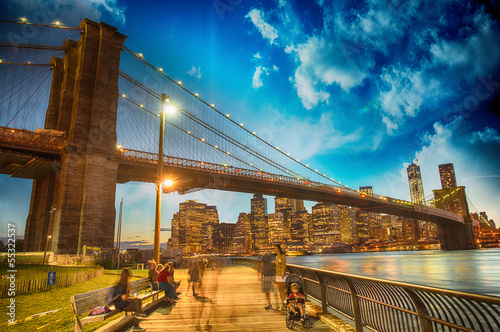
column 156, row 252
column 46, row 246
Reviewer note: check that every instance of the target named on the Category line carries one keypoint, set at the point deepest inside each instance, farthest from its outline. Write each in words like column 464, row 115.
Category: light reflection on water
column 476, row 271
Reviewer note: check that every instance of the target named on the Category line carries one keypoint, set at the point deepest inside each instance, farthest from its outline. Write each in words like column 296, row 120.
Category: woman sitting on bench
column 123, row 301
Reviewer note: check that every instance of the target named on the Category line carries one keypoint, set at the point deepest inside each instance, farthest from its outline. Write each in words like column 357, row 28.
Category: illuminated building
column 325, row 224
column 367, row 190
column 415, row 182
column 209, row 229
column 483, row 217
column 225, row 236
column 258, row 220
column 242, row 237
column 411, row 230
column 362, row 225
column 275, row 227
column 447, row 176
column 281, row 203
column 190, row 220
column 298, row 226
column 347, row 221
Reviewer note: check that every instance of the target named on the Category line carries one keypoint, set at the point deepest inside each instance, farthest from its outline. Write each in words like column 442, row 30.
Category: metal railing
column 22, row 139
column 383, row 305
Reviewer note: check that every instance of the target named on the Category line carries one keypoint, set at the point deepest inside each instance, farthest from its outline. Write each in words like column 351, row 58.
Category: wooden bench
column 84, row 303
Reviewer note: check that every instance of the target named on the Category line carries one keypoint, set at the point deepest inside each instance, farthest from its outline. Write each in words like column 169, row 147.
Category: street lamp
column 46, row 245
column 168, row 108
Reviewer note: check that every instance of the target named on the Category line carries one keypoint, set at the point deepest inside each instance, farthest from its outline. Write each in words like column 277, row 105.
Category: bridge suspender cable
column 234, row 122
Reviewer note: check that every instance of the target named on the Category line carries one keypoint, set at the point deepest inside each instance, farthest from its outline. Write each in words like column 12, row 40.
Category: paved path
column 231, row 300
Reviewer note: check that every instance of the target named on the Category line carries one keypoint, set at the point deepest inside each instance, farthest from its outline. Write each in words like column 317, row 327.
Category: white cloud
column 195, row 72
column 257, row 76
column 267, row 30
column 257, row 55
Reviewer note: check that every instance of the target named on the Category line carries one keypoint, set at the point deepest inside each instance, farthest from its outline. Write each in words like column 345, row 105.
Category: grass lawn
column 35, row 303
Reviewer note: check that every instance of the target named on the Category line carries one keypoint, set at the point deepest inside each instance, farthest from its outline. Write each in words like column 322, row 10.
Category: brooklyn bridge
column 100, row 106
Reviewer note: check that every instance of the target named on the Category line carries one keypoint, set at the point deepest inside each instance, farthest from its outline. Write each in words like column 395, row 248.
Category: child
column 296, row 299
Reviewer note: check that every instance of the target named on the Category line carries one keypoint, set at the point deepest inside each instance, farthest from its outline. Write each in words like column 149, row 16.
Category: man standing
column 268, row 276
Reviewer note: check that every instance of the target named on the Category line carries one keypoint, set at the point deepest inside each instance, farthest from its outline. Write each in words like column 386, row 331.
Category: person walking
column 280, row 263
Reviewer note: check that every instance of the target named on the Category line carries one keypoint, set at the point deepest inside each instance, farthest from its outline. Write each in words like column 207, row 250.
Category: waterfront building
column 281, row 203
column 242, row 237
column 224, row 237
column 362, row 225
column 447, row 176
column 411, row 230
column 209, row 229
column 258, row 220
column 415, row 182
column 483, row 217
column 188, row 224
column 298, row 226
column 347, row 222
column 275, row 227
column 325, row 224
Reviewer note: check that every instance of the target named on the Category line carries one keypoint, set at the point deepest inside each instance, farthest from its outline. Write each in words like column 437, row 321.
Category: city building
column 491, row 222
column 258, row 220
column 325, row 224
column 224, row 238
column 209, row 229
column 298, row 226
column 281, row 203
column 363, row 225
column 187, row 226
column 347, row 223
column 447, row 176
column 483, row 217
column 367, row 190
column 453, row 200
column 275, row 227
column 415, row 182
column 411, row 230
column 242, row 236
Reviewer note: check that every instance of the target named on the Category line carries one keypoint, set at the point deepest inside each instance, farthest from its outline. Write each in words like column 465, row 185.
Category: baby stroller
column 292, row 318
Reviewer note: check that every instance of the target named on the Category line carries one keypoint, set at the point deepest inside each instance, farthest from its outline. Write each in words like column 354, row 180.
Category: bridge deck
column 231, row 301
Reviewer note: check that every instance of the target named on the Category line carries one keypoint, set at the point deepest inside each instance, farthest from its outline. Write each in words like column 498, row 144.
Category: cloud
column 257, row 76
column 69, row 12
column 257, row 55
column 165, row 229
column 267, row 30
column 474, row 155
column 195, row 72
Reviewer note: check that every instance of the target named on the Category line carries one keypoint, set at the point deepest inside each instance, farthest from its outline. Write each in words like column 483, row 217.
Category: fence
column 383, row 305
column 24, row 286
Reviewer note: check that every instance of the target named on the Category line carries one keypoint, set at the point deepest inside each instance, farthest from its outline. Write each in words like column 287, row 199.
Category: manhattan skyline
column 309, row 79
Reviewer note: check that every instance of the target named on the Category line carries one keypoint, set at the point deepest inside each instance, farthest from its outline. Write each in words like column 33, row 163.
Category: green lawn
column 35, row 303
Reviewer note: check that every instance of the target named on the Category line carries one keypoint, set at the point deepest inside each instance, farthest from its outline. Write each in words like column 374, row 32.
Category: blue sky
column 344, row 86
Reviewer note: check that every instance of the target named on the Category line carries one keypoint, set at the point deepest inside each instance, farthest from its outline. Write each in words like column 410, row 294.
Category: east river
column 476, row 271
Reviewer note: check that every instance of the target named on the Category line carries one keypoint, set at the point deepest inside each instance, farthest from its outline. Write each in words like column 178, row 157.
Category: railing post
column 355, row 306
column 425, row 324
column 324, row 303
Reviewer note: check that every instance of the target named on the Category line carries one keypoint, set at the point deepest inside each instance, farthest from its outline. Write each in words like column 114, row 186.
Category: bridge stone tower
column 75, row 204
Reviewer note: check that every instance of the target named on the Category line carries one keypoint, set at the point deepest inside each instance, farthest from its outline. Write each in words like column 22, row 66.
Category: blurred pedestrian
column 280, row 263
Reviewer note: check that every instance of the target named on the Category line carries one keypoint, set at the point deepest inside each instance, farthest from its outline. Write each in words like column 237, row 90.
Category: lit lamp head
column 168, row 183
column 167, row 107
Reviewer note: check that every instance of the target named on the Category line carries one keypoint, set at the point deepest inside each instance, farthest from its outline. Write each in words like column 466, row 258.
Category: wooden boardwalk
column 231, row 300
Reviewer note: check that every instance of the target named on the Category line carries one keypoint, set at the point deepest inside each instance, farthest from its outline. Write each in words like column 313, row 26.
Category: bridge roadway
column 230, row 300
column 28, row 154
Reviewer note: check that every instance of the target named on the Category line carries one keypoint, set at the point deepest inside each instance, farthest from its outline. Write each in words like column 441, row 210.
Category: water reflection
column 476, row 271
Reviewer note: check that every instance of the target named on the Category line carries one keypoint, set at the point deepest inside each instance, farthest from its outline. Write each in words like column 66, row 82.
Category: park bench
column 84, row 303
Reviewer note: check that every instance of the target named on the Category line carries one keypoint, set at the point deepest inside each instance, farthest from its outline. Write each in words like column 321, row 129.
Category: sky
column 346, row 86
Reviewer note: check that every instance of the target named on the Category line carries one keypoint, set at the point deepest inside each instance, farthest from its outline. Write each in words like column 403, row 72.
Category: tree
column 3, row 247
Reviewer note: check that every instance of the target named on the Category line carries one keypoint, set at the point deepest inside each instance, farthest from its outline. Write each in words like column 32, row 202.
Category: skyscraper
column 275, row 227
column 415, row 182
column 242, row 237
column 447, row 176
column 209, row 229
column 325, row 224
column 187, row 225
column 411, row 230
column 224, row 238
column 298, row 226
column 258, row 220
column 347, row 221
column 281, row 203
